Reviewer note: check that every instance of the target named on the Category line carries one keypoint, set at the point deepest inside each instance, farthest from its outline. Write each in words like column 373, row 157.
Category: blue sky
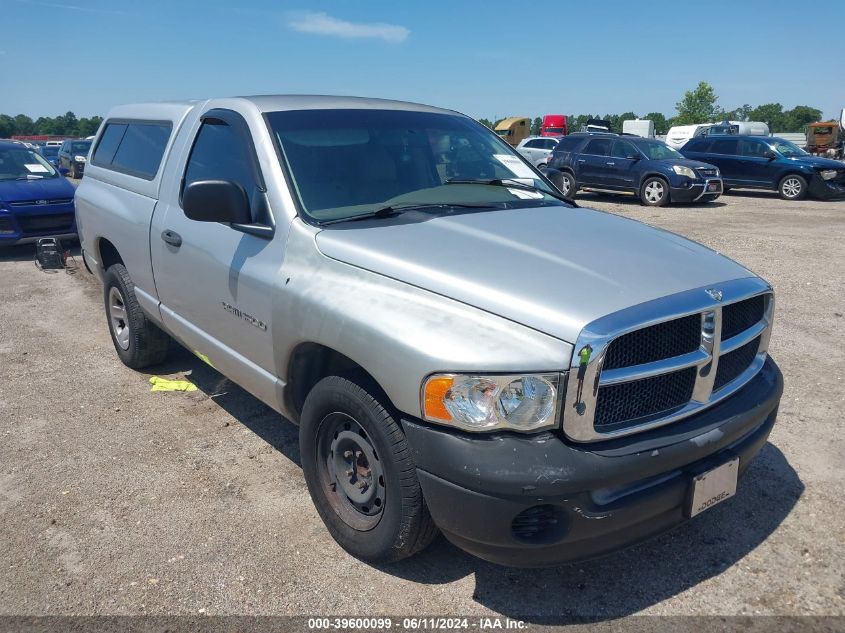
column 487, row 59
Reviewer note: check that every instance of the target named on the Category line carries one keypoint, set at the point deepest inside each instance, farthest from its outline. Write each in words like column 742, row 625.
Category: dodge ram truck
column 464, row 350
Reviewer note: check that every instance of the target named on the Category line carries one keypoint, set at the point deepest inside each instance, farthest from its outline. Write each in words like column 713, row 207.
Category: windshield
column 787, row 149
column 24, row 164
column 50, row 151
column 554, row 130
column 656, row 150
column 80, row 147
column 346, row 163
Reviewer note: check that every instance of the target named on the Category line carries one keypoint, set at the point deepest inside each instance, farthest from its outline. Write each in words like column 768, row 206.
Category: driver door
column 216, row 282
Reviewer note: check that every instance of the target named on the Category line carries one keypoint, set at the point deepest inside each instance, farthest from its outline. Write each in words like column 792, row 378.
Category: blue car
column 35, row 200
column 631, row 165
column 768, row 162
column 51, row 153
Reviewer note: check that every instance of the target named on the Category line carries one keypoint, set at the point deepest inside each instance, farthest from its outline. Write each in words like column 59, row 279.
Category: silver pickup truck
column 463, row 349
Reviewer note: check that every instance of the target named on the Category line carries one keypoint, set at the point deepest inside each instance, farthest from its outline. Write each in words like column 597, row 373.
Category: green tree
column 771, row 114
column 625, row 116
column 661, row 125
column 485, row 122
column 698, row 106
column 7, row 126
column 739, row 114
column 23, row 125
column 88, row 127
column 799, row 117
column 536, row 126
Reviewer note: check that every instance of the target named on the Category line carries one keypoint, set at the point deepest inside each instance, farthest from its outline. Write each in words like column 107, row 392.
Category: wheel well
column 108, row 254
column 311, row 362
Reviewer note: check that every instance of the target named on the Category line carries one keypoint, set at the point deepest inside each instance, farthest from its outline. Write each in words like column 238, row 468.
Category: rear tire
column 655, row 192
column 137, row 340
column 360, row 474
column 792, row 187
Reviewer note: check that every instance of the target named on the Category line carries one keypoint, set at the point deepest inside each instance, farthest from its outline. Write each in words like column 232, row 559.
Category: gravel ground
column 116, row 500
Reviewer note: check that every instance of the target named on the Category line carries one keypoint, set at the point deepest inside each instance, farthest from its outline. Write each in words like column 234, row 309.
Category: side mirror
column 216, row 201
column 770, row 154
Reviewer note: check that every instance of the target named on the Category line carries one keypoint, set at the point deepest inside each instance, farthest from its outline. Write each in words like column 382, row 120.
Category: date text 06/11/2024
column 417, row 624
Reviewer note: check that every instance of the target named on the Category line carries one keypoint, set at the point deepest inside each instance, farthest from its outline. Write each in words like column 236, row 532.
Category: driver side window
column 219, row 154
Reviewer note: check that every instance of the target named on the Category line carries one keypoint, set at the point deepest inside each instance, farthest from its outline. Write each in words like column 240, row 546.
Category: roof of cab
column 274, row 103
column 173, row 110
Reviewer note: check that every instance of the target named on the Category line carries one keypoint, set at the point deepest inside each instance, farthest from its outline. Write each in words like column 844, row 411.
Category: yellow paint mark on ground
column 165, row 384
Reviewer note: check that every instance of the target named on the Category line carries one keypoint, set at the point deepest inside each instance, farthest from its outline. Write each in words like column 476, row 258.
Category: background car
column 761, row 162
column 631, row 165
column 537, row 149
column 51, row 153
column 35, row 201
column 73, row 156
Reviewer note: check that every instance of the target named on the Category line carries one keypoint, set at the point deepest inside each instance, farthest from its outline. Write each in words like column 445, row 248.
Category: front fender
column 397, row 332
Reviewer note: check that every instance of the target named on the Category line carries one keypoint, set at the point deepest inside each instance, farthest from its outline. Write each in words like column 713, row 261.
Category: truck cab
column 554, row 125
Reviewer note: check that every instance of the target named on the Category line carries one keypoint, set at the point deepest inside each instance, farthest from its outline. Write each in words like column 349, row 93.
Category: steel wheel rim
column 118, row 318
column 351, row 472
column 791, row 187
column 654, row 191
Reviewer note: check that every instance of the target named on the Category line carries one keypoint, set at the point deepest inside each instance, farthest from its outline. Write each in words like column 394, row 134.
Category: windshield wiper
column 392, row 210
column 511, row 183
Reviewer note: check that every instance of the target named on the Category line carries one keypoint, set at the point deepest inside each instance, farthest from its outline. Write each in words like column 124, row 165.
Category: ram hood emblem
column 716, row 295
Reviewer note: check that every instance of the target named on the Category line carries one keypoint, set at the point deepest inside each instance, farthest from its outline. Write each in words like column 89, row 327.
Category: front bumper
column 22, row 226
column 582, row 500
column 697, row 189
column 826, row 189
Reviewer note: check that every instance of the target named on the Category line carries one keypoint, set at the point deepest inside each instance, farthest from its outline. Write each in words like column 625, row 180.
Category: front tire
column 568, row 185
column 792, row 187
column 655, row 192
column 138, row 341
column 73, row 172
column 360, row 474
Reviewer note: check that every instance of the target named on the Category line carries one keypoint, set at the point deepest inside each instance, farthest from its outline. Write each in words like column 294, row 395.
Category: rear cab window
column 135, row 148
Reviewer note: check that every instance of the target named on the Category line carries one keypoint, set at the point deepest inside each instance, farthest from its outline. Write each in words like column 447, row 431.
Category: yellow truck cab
column 514, row 129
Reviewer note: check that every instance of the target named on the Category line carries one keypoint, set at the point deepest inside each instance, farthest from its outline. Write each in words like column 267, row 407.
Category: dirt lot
column 117, row 500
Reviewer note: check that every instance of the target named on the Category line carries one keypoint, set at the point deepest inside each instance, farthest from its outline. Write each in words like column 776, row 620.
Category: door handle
column 172, row 238
column 581, row 160
column 611, row 163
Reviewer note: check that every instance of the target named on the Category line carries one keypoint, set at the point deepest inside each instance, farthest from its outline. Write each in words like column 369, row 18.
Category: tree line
column 63, row 125
column 699, row 105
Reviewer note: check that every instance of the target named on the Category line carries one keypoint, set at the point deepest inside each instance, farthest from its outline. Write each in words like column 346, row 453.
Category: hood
column 552, row 268
column 818, row 162
column 45, row 189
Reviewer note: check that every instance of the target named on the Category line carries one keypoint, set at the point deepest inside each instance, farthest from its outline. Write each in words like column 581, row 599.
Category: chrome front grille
column 666, row 359
column 40, row 203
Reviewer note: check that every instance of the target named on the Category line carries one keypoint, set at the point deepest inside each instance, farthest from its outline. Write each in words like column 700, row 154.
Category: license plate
column 713, row 487
column 713, row 186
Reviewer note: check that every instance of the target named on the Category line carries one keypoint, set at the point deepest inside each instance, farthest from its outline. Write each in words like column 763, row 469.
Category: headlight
column 486, row 403
column 683, row 171
column 79, row 159
column 828, row 174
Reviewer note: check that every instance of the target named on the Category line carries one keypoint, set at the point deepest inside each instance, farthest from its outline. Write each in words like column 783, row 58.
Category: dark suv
column 631, row 165
column 768, row 162
column 73, row 156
